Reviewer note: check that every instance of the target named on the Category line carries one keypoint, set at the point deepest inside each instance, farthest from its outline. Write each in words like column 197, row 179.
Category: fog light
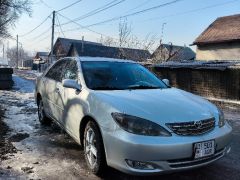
column 139, row 165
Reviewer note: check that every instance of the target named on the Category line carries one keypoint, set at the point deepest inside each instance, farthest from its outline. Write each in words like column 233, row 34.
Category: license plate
column 203, row 149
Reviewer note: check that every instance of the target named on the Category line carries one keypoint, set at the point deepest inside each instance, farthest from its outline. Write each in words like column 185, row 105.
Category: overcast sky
column 184, row 19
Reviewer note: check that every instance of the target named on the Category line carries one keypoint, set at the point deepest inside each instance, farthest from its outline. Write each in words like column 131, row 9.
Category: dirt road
column 37, row 152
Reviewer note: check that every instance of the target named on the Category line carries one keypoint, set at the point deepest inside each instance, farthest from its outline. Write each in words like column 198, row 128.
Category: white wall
column 223, row 51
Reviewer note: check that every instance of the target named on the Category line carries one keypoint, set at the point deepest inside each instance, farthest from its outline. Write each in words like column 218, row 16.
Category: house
column 221, row 40
column 62, row 46
column 169, row 52
column 39, row 59
column 93, row 50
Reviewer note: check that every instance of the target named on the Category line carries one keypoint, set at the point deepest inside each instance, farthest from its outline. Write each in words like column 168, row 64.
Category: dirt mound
column 5, row 146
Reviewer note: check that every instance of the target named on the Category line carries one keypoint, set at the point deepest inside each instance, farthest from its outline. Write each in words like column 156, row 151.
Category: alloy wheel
column 90, row 147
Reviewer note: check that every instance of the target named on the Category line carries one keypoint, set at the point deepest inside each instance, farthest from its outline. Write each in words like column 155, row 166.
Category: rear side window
column 55, row 72
column 71, row 70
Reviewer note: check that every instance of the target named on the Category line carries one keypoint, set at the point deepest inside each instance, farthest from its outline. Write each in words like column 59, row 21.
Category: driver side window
column 55, row 73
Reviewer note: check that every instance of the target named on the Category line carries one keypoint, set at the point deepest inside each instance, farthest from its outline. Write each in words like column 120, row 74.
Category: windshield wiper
column 106, row 88
column 143, row 87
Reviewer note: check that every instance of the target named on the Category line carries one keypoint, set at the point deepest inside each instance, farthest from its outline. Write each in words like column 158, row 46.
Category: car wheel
column 43, row 119
column 94, row 149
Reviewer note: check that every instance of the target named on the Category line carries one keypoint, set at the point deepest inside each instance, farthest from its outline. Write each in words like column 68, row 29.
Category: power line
column 45, row 4
column 73, row 29
column 96, row 11
column 70, row 5
column 60, row 26
column 72, row 21
column 36, row 37
column 35, row 27
column 134, row 13
column 191, row 11
column 44, row 38
column 140, row 5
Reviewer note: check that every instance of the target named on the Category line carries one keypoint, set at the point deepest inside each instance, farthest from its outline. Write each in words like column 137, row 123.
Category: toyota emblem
column 198, row 124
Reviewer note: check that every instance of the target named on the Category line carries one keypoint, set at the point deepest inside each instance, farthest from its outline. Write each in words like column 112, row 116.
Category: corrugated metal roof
column 223, row 29
column 219, row 65
column 66, row 43
column 94, row 50
column 178, row 53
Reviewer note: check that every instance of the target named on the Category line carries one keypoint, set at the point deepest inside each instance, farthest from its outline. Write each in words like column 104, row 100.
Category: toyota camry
column 127, row 118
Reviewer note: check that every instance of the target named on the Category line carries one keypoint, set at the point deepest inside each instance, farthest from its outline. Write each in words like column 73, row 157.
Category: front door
column 72, row 111
column 51, row 79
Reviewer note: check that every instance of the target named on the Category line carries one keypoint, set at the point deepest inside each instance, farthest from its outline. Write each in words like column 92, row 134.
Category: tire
column 43, row 119
column 93, row 149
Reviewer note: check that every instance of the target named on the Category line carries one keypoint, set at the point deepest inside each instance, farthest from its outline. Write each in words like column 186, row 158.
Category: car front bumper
column 165, row 154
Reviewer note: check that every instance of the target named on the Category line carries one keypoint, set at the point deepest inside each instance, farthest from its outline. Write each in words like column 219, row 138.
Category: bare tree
column 108, row 41
column 149, row 42
column 128, row 40
column 165, row 52
column 173, row 53
column 10, row 11
column 12, row 56
column 124, row 32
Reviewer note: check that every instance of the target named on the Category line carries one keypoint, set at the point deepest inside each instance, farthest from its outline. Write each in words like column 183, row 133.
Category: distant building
column 169, row 52
column 27, row 63
column 94, row 50
column 221, row 40
column 39, row 59
column 62, row 46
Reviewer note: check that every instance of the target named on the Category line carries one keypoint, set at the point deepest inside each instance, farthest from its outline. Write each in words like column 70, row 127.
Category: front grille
column 192, row 127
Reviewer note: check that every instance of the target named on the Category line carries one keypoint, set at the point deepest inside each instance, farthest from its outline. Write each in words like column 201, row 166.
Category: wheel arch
column 83, row 124
column 38, row 98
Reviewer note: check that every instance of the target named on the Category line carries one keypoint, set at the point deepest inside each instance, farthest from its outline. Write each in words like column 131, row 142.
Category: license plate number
column 203, row 149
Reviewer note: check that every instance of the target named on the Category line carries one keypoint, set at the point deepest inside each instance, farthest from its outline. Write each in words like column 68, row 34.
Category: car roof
column 103, row 59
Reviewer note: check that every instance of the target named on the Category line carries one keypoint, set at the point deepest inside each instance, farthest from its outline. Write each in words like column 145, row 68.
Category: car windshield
column 106, row 75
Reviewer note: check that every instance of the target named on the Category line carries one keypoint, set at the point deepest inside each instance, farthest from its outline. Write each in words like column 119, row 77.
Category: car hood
column 159, row 105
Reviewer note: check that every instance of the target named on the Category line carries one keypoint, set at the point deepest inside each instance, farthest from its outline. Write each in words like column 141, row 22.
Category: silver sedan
column 127, row 118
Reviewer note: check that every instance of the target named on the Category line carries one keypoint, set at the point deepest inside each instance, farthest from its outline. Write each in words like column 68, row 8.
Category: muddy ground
column 31, row 151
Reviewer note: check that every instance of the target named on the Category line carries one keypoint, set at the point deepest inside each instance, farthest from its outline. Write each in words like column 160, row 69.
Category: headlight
column 221, row 121
column 139, row 126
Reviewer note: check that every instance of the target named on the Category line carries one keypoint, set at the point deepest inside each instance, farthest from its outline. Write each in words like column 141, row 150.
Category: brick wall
column 221, row 84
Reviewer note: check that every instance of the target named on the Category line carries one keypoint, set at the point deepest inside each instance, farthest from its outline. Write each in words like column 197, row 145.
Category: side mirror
column 70, row 83
column 166, row 81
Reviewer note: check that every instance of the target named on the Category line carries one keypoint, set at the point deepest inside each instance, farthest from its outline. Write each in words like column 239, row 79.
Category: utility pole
column 53, row 24
column 17, row 52
column 20, row 55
